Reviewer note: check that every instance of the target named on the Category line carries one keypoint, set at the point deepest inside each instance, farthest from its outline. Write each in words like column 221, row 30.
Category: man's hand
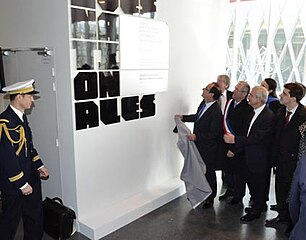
column 191, row 137
column 27, row 190
column 180, row 116
column 229, row 138
column 43, row 173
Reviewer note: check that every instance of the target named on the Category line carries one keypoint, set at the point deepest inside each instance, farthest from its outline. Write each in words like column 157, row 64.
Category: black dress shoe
column 208, row 204
column 275, row 220
column 273, row 207
column 235, row 201
column 225, row 195
column 249, row 217
column 248, row 209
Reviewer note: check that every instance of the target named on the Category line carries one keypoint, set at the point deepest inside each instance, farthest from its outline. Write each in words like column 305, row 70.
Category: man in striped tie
column 286, row 145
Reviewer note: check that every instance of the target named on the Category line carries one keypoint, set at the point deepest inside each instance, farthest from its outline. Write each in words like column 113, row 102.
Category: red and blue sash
column 226, row 125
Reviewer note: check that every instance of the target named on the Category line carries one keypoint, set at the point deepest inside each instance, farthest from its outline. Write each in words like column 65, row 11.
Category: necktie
column 25, row 121
column 24, row 117
column 200, row 112
column 234, row 103
column 287, row 118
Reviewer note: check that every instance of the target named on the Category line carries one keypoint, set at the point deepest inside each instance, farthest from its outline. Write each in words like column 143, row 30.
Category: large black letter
column 85, row 86
column 129, row 108
column 109, row 111
column 147, row 105
column 86, row 115
column 109, row 83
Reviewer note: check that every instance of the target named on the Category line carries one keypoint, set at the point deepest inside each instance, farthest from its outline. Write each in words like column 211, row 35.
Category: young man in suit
column 255, row 143
column 207, row 134
column 286, row 146
column 235, row 118
column 20, row 167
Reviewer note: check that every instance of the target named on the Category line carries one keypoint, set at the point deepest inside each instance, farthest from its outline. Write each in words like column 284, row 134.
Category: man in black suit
column 255, row 142
column 207, row 134
column 286, row 146
column 224, row 82
column 235, row 118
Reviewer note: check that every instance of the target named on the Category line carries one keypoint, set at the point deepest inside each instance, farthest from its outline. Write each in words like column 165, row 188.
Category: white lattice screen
column 266, row 38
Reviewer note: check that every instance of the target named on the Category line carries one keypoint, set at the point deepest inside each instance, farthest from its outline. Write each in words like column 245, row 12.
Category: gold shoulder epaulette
column 22, row 139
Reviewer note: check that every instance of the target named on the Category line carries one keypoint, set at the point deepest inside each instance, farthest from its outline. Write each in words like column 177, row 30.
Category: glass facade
column 267, row 39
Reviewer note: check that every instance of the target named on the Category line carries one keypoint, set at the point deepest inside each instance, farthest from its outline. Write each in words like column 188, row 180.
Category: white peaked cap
column 24, row 87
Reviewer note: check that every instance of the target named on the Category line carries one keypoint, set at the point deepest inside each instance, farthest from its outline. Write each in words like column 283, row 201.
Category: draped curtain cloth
column 194, row 169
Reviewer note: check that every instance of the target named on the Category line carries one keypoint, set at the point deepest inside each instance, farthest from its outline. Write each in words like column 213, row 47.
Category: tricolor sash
column 226, row 125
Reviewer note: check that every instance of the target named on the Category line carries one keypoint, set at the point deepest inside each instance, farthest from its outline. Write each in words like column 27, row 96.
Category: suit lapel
column 296, row 117
column 258, row 119
column 208, row 112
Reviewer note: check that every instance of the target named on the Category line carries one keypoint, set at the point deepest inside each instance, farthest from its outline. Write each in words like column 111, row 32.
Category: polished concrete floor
column 178, row 221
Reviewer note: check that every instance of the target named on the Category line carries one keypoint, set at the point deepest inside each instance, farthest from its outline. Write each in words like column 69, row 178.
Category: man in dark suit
column 224, row 82
column 207, row 134
column 235, row 118
column 255, row 143
column 286, row 146
column 20, row 167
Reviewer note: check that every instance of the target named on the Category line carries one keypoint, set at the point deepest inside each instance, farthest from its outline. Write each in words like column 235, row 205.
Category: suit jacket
column 229, row 94
column 287, row 140
column 237, row 119
column 19, row 160
column 256, row 144
column 297, row 201
column 208, row 131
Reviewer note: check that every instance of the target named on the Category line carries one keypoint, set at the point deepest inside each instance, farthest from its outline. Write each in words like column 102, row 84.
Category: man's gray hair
column 246, row 87
column 226, row 79
column 261, row 93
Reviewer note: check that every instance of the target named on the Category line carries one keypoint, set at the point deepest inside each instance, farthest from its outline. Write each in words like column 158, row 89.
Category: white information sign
column 144, row 55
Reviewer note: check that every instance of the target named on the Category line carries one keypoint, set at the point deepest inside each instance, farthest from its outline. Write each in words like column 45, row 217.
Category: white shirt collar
column 18, row 112
column 292, row 110
column 259, row 110
column 209, row 104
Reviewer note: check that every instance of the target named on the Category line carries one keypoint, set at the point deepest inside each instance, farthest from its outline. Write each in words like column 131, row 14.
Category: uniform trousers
column 29, row 208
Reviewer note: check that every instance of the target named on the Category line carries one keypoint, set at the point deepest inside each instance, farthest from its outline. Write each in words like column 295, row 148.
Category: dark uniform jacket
column 19, row 160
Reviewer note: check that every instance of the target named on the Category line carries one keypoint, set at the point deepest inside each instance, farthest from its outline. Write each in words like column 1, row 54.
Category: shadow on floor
column 178, row 221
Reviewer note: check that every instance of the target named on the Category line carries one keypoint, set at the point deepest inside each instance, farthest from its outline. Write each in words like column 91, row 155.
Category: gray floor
column 177, row 220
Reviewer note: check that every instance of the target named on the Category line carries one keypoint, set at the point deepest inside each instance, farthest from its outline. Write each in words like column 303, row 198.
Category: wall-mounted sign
column 144, row 55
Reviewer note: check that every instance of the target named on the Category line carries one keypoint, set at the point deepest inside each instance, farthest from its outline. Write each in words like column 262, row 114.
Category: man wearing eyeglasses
column 236, row 114
column 207, row 134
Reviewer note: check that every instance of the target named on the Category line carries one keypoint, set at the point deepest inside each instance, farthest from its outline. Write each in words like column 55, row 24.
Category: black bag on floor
column 58, row 219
